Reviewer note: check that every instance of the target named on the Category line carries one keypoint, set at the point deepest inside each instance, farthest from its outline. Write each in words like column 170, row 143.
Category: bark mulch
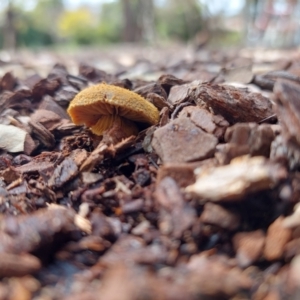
column 203, row 205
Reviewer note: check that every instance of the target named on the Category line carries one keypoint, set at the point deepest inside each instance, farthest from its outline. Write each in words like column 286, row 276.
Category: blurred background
column 69, row 24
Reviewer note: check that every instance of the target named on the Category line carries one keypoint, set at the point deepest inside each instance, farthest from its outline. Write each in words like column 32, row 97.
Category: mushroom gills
column 114, row 122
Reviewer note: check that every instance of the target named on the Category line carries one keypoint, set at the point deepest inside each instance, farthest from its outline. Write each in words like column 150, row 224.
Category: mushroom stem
column 120, row 130
column 114, row 127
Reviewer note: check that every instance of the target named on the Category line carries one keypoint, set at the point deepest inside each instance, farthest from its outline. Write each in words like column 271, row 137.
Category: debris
column 203, row 203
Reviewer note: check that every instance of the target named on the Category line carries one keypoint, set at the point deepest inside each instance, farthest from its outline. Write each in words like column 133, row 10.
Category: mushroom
column 110, row 111
column 103, row 107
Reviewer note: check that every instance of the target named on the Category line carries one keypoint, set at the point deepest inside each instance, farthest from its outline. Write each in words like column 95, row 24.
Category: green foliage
column 83, row 27
column 30, row 31
column 30, row 35
column 179, row 19
column 78, row 25
column 35, row 27
column 49, row 22
column 110, row 25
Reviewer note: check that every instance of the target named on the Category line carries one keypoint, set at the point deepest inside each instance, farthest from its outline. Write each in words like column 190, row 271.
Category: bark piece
column 249, row 247
column 90, row 178
column 238, row 70
column 43, row 134
column 158, row 101
column 151, row 88
column 31, row 80
column 164, row 117
column 215, row 279
column 37, row 166
column 133, row 249
column 239, row 134
column 293, row 280
column 64, row 95
column 291, row 249
column 179, row 94
column 210, row 123
column 215, row 214
column 288, row 111
column 168, row 80
column 101, row 226
column 29, row 145
column 12, row 265
column 48, row 104
column 18, row 99
column 226, row 152
column 142, row 177
column 293, row 221
column 29, row 233
column 46, row 118
column 277, row 238
column 43, row 122
column 234, row 181
column 7, row 82
column 182, row 173
column 45, row 87
column 168, row 142
column 175, row 215
column 9, row 175
column 93, row 74
column 235, row 105
column 136, row 205
column 68, row 169
column 63, row 173
column 261, row 139
column 248, row 138
column 268, row 80
column 6, row 161
column 138, row 283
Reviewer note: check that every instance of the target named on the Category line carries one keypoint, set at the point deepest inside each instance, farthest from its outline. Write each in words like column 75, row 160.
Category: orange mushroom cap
column 101, row 106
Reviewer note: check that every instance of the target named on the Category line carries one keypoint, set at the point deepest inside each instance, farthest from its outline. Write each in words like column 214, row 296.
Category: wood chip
column 234, row 181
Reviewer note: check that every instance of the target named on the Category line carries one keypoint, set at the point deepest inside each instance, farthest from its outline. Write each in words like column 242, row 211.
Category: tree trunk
column 147, row 20
column 138, row 16
column 9, row 32
column 131, row 30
